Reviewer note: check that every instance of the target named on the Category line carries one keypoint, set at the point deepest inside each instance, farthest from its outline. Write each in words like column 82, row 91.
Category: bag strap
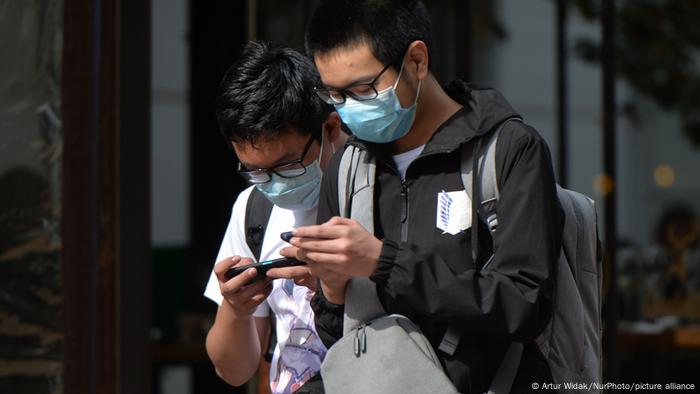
column 505, row 375
column 480, row 159
column 356, row 177
column 272, row 339
column 257, row 215
column 478, row 171
column 485, row 167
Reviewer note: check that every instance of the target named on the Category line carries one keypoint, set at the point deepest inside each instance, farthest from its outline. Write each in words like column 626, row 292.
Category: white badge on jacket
column 454, row 212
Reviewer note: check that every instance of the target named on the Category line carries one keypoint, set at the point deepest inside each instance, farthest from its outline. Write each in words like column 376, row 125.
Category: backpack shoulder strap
column 478, row 172
column 489, row 193
column 257, row 214
column 345, row 177
column 356, row 176
column 484, row 151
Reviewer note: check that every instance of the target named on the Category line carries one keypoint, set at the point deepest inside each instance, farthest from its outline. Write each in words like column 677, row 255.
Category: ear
column 418, row 59
column 331, row 127
column 334, row 138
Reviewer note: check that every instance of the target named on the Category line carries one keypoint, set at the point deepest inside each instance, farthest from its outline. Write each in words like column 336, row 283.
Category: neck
column 434, row 108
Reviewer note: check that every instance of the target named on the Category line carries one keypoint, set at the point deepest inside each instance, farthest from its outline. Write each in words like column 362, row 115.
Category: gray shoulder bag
column 377, row 353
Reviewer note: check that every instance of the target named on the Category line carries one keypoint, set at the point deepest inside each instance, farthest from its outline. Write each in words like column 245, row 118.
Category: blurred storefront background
column 152, row 183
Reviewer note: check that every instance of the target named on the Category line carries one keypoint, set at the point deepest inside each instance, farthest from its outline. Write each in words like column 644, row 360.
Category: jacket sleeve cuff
column 387, row 259
column 328, row 318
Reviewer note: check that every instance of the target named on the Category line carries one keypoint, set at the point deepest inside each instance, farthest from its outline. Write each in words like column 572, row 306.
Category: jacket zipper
column 404, row 211
column 404, row 192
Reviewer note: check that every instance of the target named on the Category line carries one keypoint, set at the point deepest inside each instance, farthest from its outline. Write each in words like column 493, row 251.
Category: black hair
column 267, row 91
column 388, row 26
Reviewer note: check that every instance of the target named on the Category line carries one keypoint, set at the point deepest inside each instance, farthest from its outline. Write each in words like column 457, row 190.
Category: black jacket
column 430, row 277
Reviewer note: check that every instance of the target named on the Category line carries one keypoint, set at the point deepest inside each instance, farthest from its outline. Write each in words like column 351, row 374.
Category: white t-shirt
column 299, row 351
column 403, row 160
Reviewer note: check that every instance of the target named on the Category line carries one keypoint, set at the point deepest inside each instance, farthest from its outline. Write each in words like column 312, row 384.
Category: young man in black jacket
column 373, row 58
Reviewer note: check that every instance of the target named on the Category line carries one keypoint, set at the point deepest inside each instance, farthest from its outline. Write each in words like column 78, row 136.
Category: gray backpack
column 571, row 341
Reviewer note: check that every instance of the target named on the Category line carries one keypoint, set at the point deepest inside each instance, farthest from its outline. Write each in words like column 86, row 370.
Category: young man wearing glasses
column 373, row 58
column 283, row 136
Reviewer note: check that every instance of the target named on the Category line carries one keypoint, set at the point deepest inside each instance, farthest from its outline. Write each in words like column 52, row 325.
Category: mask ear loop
column 420, row 82
column 323, row 141
column 400, row 73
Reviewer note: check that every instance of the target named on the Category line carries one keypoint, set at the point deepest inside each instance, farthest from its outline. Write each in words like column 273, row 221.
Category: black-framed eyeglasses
column 359, row 91
column 287, row 170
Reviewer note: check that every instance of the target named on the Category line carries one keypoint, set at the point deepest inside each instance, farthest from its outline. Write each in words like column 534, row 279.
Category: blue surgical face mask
column 381, row 119
column 296, row 194
column 299, row 193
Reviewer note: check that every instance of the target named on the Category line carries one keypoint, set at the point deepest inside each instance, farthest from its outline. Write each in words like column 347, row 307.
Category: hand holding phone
column 263, row 267
column 241, row 294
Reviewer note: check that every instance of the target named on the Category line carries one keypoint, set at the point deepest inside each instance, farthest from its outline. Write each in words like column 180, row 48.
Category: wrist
column 334, row 292
column 386, row 262
column 236, row 314
column 373, row 255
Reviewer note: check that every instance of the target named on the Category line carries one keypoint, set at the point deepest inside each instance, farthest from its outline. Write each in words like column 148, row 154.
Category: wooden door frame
column 106, row 196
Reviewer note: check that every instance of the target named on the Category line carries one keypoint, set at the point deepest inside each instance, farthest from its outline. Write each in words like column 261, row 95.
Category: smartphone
column 262, row 267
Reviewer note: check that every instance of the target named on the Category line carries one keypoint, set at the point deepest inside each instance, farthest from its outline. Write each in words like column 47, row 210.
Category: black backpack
column 257, row 215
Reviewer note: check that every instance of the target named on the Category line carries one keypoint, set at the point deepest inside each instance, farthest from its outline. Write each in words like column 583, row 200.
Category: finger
column 289, row 251
column 257, row 285
column 326, row 231
column 321, row 245
column 224, row 265
column 308, row 282
column 245, row 261
column 314, row 268
column 327, row 260
column 339, row 220
column 239, row 281
column 252, row 303
column 321, row 271
column 257, row 298
column 248, row 292
column 324, row 269
column 293, row 252
column 288, row 272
